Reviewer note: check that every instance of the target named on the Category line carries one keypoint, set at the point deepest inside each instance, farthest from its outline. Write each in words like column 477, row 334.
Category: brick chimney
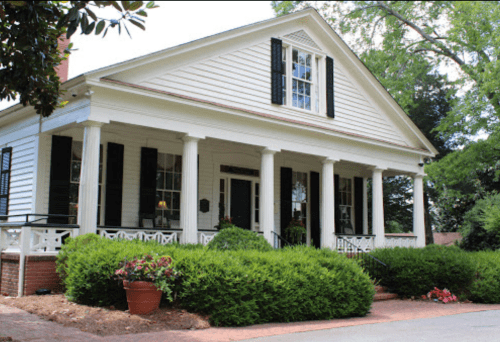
column 62, row 69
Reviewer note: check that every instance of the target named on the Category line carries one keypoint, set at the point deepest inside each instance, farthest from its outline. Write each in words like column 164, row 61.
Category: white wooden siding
column 242, row 79
column 21, row 177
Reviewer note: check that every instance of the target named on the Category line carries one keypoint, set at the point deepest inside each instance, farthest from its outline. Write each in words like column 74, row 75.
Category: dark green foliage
column 414, row 272
column 235, row 288
column 234, row 238
column 481, row 230
column 486, row 286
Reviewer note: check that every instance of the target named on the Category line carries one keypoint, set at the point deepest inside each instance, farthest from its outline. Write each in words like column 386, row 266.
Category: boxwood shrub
column 486, row 285
column 235, row 288
column 234, row 238
column 416, row 271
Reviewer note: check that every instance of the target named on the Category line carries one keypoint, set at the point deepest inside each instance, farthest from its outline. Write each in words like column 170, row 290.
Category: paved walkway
column 24, row 327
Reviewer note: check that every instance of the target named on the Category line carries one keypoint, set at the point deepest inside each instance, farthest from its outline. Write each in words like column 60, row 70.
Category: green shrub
column 481, row 227
column 416, row 271
column 234, row 238
column 486, row 286
column 234, row 287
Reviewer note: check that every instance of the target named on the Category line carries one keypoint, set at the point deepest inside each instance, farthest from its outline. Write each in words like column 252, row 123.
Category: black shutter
column 330, row 108
column 285, row 198
column 147, row 200
column 315, row 230
column 358, row 204
column 60, row 172
column 276, row 72
column 336, row 185
column 114, row 185
column 5, row 182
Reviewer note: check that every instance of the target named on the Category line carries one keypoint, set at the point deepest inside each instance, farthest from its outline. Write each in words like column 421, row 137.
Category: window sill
column 305, row 111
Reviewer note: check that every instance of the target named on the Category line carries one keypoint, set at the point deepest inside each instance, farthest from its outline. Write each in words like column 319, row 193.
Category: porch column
column 378, row 208
column 189, row 190
column 89, row 178
column 418, row 210
column 266, row 209
column 327, row 205
column 365, row 206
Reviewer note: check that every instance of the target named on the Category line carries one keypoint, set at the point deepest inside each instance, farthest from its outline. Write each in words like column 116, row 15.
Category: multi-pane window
column 257, row 200
column 301, row 79
column 299, row 196
column 168, row 190
column 222, row 198
column 74, row 185
column 283, row 68
column 345, row 203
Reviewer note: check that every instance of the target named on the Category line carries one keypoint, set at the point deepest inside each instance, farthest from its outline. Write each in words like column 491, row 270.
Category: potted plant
column 145, row 280
column 225, row 222
column 295, row 231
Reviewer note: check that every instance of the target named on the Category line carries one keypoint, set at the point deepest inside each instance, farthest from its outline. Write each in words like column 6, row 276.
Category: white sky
column 171, row 24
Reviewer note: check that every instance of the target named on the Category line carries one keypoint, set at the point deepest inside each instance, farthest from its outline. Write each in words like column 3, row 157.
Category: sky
column 171, row 24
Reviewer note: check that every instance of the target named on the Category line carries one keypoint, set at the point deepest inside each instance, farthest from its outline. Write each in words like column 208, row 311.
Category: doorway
column 241, row 203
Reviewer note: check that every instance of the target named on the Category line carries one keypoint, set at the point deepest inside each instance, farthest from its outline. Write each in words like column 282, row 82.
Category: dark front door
column 241, row 203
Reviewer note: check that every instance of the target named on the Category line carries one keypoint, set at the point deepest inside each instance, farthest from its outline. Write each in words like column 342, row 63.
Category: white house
column 263, row 123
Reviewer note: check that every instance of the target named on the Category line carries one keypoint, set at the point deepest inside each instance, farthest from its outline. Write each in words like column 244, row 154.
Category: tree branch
column 445, row 50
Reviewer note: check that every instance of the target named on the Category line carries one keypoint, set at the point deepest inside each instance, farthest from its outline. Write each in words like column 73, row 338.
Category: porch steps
column 381, row 294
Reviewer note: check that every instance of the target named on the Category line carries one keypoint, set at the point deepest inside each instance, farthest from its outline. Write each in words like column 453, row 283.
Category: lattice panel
column 48, row 240
column 303, row 38
column 400, row 241
column 161, row 237
column 205, row 238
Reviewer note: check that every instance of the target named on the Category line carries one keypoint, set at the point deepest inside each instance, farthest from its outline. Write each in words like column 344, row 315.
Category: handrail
column 281, row 238
column 371, row 266
column 46, row 216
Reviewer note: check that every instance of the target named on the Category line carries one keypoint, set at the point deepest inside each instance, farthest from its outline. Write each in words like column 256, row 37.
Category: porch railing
column 163, row 236
column 375, row 268
column 205, row 236
column 400, row 241
column 364, row 242
column 279, row 241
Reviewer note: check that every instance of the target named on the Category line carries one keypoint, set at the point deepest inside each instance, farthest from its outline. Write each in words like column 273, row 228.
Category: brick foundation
column 40, row 272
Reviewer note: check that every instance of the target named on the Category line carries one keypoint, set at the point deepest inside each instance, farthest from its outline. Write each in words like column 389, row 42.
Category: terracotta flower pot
column 142, row 296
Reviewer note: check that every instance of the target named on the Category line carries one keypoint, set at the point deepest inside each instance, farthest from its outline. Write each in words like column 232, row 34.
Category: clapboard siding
column 131, row 177
column 21, row 180
column 242, row 79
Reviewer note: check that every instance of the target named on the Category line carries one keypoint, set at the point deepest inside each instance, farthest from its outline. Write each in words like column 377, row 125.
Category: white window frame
column 315, row 56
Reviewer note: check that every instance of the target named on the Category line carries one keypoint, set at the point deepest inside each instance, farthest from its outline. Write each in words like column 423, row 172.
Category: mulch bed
column 105, row 321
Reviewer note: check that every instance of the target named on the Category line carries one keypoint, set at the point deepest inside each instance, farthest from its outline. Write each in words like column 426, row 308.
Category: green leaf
column 139, row 25
column 135, row 5
column 100, row 27
column 73, row 14
column 105, row 32
column 90, row 28
column 116, row 5
column 127, row 30
column 126, row 5
column 142, row 13
column 71, row 29
column 150, row 4
column 84, row 22
column 92, row 14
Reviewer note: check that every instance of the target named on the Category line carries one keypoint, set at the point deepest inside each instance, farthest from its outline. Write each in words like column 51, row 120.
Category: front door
column 241, row 194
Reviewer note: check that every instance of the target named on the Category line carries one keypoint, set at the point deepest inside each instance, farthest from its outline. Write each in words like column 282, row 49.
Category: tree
column 29, row 33
column 456, row 34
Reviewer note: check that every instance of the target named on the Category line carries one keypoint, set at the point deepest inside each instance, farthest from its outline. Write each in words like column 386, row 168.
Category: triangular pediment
column 303, row 38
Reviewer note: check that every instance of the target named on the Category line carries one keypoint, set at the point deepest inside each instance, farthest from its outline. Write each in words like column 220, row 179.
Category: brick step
column 384, row 296
column 380, row 289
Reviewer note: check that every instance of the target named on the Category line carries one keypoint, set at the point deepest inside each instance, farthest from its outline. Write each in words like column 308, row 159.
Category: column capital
column 192, row 137
column 418, row 175
column 328, row 160
column 377, row 168
column 269, row 150
column 91, row 123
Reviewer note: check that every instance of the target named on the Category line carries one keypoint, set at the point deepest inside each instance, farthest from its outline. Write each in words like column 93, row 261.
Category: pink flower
column 139, row 268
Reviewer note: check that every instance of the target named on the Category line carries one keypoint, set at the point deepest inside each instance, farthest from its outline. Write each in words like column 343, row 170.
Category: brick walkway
column 22, row 326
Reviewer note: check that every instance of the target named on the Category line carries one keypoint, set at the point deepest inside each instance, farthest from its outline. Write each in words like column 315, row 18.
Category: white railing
column 400, row 241
column 161, row 236
column 205, row 237
column 364, row 242
column 10, row 238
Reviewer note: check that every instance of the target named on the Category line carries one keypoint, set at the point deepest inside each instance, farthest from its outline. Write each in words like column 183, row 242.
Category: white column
column 189, row 190
column 89, row 178
column 266, row 209
column 378, row 208
column 365, row 206
column 327, row 205
column 418, row 210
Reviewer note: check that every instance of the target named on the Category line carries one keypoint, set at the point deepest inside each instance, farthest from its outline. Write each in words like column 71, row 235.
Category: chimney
column 62, row 69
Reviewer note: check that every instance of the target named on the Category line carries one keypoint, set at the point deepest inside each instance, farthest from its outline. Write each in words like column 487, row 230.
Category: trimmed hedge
column 486, row 286
column 235, row 288
column 416, row 271
column 234, row 238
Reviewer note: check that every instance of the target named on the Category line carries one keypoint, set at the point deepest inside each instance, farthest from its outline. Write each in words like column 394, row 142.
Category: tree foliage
column 29, row 33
